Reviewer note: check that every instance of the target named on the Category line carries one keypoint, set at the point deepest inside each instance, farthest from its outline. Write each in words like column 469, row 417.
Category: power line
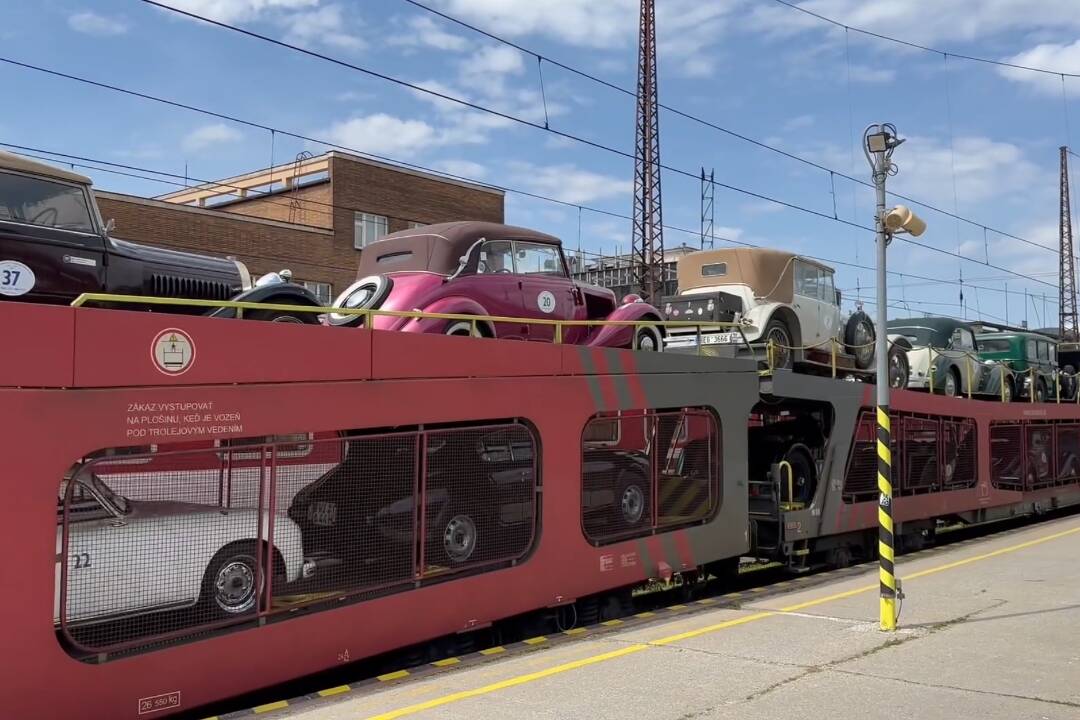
column 81, row 161
column 537, row 126
column 710, row 124
column 936, row 51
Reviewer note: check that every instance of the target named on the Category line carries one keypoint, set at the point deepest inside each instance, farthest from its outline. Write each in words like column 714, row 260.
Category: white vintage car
column 131, row 557
column 775, row 295
column 943, row 354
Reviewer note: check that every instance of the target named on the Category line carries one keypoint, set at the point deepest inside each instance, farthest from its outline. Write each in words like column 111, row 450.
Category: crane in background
column 648, row 235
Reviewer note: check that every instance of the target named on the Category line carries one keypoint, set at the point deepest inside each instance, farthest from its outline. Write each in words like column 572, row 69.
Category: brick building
column 313, row 216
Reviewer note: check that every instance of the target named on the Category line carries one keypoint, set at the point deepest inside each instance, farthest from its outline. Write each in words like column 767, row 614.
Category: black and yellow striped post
column 886, row 543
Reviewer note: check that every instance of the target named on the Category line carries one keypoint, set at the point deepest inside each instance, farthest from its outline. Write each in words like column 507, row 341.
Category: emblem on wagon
column 173, row 351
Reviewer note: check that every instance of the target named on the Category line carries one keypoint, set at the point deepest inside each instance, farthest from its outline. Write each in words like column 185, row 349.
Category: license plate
column 720, row 338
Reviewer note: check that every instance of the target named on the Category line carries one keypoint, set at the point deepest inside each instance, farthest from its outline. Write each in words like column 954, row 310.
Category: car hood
column 177, row 273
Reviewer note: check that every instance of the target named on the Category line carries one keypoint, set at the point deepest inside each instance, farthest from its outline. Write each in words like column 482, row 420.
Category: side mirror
column 110, row 225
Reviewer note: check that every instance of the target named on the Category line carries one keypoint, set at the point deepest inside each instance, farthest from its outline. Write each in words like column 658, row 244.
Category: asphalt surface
column 990, row 629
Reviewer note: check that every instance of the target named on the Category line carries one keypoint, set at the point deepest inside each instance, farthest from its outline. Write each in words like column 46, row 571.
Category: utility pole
column 1068, row 325
column 879, row 141
column 708, row 215
column 648, row 235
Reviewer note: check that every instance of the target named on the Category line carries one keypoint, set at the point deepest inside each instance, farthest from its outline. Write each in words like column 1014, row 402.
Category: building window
column 367, row 229
column 321, row 290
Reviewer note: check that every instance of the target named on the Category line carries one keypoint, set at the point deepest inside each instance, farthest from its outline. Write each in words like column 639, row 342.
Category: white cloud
column 686, row 29
column 569, row 183
column 322, row 25
column 1052, row 56
column 91, row 23
column 305, row 22
column 383, row 134
column 231, row 11
column 207, row 135
column 497, row 60
column 955, row 20
column 424, row 31
column 462, row 168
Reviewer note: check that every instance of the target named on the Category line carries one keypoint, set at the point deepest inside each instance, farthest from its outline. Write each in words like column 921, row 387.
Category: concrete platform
column 990, row 629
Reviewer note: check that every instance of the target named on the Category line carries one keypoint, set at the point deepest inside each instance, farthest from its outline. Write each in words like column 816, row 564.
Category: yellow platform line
column 575, row 631
column 270, row 707
column 535, row 640
column 396, row 675
column 446, row 662
column 334, row 691
column 493, row 650
column 638, row 647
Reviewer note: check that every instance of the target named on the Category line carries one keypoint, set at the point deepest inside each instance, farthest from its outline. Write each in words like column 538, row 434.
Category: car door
column 807, row 302
column 546, row 291
column 973, row 373
column 50, row 247
column 829, row 318
column 495, row 286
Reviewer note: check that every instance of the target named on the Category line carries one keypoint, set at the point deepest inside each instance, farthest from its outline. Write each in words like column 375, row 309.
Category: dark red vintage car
column 488, row 269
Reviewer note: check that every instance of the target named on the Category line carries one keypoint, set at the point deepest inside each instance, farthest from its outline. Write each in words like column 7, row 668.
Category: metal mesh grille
column 1068, row 453
column 860, row 481
column 1007, row 457
column 643, row 471
column 919, row 440
column 1040, row 457
column 960, row 447
column 163, row 545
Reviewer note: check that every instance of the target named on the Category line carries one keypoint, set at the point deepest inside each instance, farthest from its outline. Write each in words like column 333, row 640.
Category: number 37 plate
column 15, row 278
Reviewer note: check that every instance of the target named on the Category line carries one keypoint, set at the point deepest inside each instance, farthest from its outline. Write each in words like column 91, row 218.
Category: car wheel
column 859, row 339
column 463, row 328
column 952, row 383
column 783, row 354
column 460, row 537
column 1041, row 392
column 899, row 368
column 282, row 316
column 647, row 339
column 229, row 585
column 632, row 497
column 1010, row 391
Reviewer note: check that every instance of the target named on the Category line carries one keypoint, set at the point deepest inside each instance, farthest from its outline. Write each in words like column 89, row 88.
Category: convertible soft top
column 437, row 248
column 768, row 272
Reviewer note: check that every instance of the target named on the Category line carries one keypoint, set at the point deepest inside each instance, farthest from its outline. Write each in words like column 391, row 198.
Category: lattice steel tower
column 648, row 236
column 1067, row 322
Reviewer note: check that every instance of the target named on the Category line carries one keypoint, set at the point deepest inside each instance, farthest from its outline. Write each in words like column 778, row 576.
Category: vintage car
column 486, row 269
column 479, row 495
column 1029, row 355
column 55, row 247
column 775, row 296
column 132, row 557
column 945, row 352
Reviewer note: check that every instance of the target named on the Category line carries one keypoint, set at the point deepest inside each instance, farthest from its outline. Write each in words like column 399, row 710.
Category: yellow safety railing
column 368, row 314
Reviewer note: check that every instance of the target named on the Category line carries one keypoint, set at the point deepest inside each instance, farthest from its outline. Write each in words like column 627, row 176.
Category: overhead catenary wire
column 528, row 123
column 541, row 58
column 82, row 161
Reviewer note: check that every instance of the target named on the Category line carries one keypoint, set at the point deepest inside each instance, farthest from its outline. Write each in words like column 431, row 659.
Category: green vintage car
column 1033, row 357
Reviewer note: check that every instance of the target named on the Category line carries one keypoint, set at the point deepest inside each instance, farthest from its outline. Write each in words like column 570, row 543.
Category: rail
column 368, row 314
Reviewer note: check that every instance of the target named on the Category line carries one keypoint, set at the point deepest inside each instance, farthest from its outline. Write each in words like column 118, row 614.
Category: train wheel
column 839, row 557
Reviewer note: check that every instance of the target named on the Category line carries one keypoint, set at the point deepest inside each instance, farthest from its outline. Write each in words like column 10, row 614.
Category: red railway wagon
column 953, row 459
column 236, row 504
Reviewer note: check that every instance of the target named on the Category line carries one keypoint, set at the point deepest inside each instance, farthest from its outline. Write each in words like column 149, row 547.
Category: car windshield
column 919, row 336
column 119, row 502
column 44, row 202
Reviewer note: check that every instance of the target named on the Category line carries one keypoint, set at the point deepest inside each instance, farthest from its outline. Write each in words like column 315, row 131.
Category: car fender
column 288, row 542
column 452, row 305
column 623, row 335
column 761, row 315
column 276, row 293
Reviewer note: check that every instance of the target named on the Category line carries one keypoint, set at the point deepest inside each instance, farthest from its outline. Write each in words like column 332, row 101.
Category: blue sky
column 981, row 139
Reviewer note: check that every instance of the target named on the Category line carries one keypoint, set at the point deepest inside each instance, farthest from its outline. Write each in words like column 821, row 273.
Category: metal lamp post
column 879, row 141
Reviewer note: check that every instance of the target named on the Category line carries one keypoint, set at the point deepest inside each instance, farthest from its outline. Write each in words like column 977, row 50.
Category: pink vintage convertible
column 487, row 269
